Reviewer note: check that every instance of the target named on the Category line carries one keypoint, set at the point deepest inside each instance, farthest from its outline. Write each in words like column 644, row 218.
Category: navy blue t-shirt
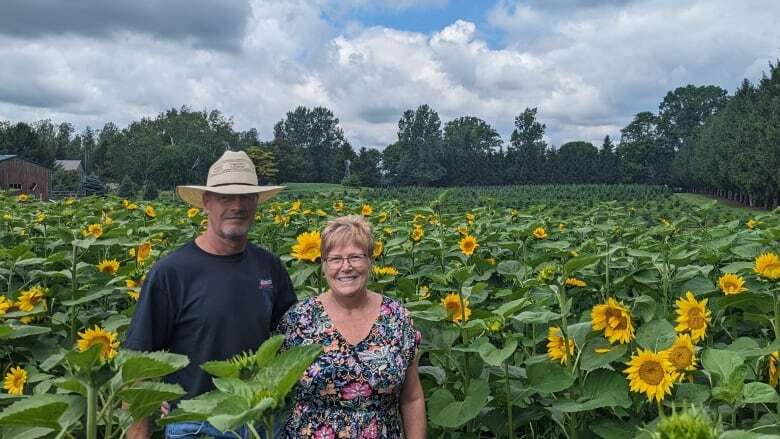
column 209, row 307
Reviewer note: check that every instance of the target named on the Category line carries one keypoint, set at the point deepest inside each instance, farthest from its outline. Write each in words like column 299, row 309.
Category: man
column 216, row 296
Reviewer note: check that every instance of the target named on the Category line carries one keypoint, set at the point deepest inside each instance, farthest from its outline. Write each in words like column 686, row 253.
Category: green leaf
column 575, row 264
column 439, row 374
column 222, row 369
column 757, row 393
column 741, row 434
column 549, row 377
column 590, row 359
column 37, row 411
column 511, row 307
column 508, row 268
column 227, row 422
column 536, row 317
column 84, row 362
column 721, row 362
column 610, row 429
column 656, row 335
column 145, row 398
column 691, row 393
column 145, row 365
column 494, row 356
column 267, row 351
column 736, row 267
column 22, row 331
column 89, row 297
column 30, row 261
column 445, row 411
column 603, row 388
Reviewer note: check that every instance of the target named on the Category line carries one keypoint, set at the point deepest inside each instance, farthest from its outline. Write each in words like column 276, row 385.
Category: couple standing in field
column 221, row 295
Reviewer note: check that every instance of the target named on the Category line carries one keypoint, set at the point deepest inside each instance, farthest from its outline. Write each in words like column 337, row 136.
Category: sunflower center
column 696, row 319
column 651, row 373
column 681, row 357
column 616, row 319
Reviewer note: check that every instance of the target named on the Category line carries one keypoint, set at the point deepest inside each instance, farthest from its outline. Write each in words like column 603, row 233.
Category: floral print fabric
column 350, row 391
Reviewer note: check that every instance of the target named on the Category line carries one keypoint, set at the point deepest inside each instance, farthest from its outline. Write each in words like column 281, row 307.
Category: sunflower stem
column 777, row 313
column 510, row 422
column 91, row 410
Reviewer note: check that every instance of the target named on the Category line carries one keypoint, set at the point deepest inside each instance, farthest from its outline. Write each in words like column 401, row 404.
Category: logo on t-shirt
column 265, row 285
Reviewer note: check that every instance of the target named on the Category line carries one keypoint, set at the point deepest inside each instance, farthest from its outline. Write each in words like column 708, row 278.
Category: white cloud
column 587, row 67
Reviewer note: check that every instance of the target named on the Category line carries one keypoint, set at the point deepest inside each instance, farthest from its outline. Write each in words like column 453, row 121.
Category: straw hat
column 233, row 173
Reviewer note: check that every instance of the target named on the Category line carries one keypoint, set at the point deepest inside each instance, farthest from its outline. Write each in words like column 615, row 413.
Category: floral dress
column 350, row 391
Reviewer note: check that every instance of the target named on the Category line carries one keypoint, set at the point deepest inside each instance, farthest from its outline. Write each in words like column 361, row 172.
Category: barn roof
column 68, row 165
column 6, row 156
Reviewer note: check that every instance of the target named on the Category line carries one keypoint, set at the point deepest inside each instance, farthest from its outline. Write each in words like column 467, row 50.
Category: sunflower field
column 549, row 312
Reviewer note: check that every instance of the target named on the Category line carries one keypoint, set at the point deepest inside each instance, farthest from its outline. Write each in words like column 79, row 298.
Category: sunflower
column 468, row 244
column 540, row 233
column 463, row 229
column 129, row 205
column 433, row 220
column 378, row 248
column 15, row 380
column 108, row 266
column 561, row 227
column 768, row 266
column 39, row 217
column 772, row 365
column 388, row 231
column 382, row 217
column 69, row 201
column 192, row 212
column 321, row 213
column 470, row 218
column 730, row 284
column 307, row 247
column 107, row 339
column 574, row 282
column 751, row 223
column 23, row 198
column 5, row 304
column 29, row 299
column 682, row 355
column 692, row 316
column 150, row 213
column 366, row 210
column 133, row 286
column 338, row 206
column 615, row 319
column 385, row 271
column 452, row 304
column 142, row 251
column 650, row 373
column 295, row 206
column 556, row 347
column 490, row 261
column 417, row 233
column 282, row 219
column 424, row 292
column 95, row 230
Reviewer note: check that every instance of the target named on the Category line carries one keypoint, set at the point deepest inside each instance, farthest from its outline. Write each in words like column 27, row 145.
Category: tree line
column 700, row 139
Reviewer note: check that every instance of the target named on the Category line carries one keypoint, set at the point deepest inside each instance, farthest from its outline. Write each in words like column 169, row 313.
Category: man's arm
column 413, row 405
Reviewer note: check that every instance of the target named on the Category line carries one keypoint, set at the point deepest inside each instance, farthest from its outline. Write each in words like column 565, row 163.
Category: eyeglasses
column 356, row 261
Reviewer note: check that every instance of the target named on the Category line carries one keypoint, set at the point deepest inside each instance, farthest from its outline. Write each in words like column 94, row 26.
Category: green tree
column 265, row 163
column 315, row 134
column 416, row 158
column 577, row 162
column 644, row 159
column 469, row 143
column 366, row 167
column 526, row 152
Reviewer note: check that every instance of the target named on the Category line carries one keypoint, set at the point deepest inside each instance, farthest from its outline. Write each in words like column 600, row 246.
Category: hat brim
column 193, row 195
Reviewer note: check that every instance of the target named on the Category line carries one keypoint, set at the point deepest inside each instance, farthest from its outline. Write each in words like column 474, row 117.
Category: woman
column 365, row 382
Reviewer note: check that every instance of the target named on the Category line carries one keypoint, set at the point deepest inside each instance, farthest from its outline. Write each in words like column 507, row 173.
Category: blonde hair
column 346, row 230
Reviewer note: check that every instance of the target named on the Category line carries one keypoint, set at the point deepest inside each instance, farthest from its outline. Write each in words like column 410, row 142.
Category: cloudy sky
column 588, row 65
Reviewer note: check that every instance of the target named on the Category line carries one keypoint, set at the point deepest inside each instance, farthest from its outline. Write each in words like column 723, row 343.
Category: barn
column 23, row 176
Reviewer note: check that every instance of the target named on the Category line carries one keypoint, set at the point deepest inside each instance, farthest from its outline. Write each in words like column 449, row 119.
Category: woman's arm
column 413, row 405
